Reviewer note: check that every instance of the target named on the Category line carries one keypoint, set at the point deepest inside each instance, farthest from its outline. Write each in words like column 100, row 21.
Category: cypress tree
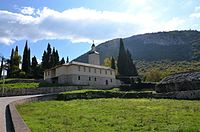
column 67, row 61
column 122, row 59
column 44, row 61
column 10, row 62
column 26, row 59
column 132, row 71
column 62, row 61
column 49, row 64
column 34, row 67
column 53, row 57
column 56, row 58
column 125, row 63
column 113, row 63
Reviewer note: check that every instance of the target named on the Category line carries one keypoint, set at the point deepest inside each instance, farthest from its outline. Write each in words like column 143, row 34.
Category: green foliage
column 122, row 115
column 153, row 76
column 196, row 50
column 165, row 67
column 20, row 85
column 125, row 63
column 107, row 62
column 50, row 58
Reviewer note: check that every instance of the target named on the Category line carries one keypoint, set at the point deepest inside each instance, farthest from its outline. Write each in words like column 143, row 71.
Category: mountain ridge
column 172, row 45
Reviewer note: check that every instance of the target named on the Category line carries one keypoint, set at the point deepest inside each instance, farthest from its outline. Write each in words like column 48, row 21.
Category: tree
column 1, row 68
column 67, row 61
column 107, row 62
column 113, row 63
column 122, row 59
column 125, row 63
column 26, row 59
column 62, row 61
column 16, row 59
column 131, row 65
column 44, row 60
column 34, row 66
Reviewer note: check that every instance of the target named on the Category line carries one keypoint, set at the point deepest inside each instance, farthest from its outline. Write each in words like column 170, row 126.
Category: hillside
column 173, row 45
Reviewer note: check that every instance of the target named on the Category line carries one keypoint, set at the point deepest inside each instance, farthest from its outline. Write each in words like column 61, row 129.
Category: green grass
column 20, row 85
column 112, row 115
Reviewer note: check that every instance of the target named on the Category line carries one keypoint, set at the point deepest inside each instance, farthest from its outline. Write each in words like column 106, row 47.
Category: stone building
column 77, row 73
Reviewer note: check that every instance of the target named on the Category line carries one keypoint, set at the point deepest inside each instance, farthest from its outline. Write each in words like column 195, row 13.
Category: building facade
column 76, row 73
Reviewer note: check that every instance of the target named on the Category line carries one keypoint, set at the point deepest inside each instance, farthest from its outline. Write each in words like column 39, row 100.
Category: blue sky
column 71, row 25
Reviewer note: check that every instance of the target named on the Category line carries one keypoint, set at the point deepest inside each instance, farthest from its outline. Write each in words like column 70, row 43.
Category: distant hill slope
column 173, row 45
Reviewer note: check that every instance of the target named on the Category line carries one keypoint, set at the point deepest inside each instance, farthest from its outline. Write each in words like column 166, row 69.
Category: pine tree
column 113, row 63
column 52, row 61
column 62, row 61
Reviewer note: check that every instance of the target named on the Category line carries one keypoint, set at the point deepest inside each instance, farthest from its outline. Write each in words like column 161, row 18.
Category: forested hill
column 173, row 45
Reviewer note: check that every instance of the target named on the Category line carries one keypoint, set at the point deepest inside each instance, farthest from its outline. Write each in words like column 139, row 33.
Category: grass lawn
column 112, row 115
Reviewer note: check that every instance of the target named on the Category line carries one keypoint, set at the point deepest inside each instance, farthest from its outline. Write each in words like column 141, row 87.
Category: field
column 112, row 115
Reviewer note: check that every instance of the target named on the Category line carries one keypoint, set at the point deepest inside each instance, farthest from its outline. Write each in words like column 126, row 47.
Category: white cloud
column 27, row 10
column 197, row 8
column 195, row 15
column 77, row 24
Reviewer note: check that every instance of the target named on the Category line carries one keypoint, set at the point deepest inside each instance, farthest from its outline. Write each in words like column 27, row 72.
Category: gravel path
column 4, row 101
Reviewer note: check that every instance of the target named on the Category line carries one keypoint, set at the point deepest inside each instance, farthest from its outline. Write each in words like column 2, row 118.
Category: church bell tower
column 93, row 56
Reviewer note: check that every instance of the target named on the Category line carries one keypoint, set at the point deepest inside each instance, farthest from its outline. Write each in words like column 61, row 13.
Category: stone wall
column 180, row 82
column 46, row 90
column 18, row 123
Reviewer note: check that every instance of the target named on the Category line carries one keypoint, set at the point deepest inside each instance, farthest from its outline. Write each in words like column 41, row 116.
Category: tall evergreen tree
column 1, row 68
column 10, row 64
column 26, row 59
column 131, row 66
column 62, row 61
column 125, row 63
column 44, row 61
column 56, row 57
column 67, row 61
column 122, row 59
column 49, row 64
column 113, row 63
column 34, row 66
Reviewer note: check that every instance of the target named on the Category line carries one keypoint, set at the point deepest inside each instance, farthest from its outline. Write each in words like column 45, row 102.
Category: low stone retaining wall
column 18, row 123
column 45, row 90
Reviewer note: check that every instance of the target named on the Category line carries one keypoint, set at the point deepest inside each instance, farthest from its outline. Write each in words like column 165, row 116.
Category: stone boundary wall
column 45, row 90
column 185, row 95
column 18, row 123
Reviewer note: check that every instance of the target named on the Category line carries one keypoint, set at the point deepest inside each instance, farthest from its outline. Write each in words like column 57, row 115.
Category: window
column 95, row 70
column 79, row 68
column 110, row 72
column 89, row 69
column 84, row 69
column 95, row 79
column 110, row 80
column 79, row 78
column 100, row 71
column 105, row 71
column 89, row 78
